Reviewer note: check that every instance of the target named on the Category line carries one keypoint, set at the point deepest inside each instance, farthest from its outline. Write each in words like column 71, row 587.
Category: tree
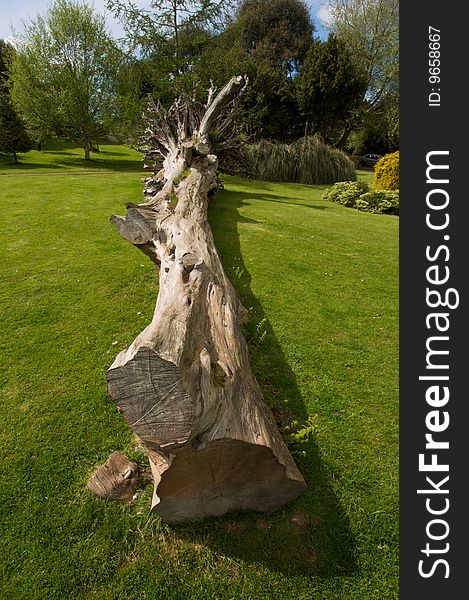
column 330, row 88
column 13, row 135
column 5, row 53
column 185, row 385
column 184, row 46
column 271, row 107
column 272, row 39
column 276, row 33
column 169, row 30
column 64, row 74
column 371, row 30
column 379, row 131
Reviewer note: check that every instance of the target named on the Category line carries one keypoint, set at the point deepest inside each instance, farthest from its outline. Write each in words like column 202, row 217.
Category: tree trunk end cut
column 225, row 475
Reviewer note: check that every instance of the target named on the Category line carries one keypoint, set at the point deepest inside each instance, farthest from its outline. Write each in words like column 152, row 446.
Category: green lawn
column 321, row 281
column 59, row 156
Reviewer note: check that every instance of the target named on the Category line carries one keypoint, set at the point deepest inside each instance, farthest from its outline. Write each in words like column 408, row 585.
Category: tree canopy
column 371, row 30
column 64, row 74
column 69, row 78
column 330, row 88
column 276, row 33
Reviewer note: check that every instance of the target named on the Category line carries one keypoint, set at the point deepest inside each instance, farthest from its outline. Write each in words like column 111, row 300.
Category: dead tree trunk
column 185, row 385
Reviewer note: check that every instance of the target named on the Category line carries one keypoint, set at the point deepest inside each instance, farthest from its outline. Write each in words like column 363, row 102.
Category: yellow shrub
column 387, row 172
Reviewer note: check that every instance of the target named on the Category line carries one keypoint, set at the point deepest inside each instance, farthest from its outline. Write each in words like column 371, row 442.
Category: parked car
column 369, row 160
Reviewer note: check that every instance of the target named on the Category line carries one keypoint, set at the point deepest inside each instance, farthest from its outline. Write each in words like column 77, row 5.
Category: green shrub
column 308, row 160
column 357, row 194
column 379, row 201
column 346, row 192
column 387, row 172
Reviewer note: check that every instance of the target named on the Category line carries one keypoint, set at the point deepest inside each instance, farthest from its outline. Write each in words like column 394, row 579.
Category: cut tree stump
column 185, row 385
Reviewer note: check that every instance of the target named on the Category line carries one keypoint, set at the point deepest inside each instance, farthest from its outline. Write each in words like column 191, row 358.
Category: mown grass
column 57, row 155
column 320, row 281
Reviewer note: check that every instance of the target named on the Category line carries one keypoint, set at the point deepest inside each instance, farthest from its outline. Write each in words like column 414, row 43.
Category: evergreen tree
column 330, row 88
column 276, row 33
column 13, row 135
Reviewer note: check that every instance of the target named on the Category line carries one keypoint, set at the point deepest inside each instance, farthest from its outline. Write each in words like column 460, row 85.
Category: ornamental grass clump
column 271, row 162
column 317, row 163
column 308, row 160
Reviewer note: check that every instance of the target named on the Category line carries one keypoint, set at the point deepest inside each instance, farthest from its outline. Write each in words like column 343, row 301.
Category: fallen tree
column 185, row 385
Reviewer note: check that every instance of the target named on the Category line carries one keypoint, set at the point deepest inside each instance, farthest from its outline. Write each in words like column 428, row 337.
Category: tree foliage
column 276, row 33
column 13, row 135
column 273, row 38
column 65, row 72
column 379, row 130
column 172, row 30
column 6, row 51
column 330, row 87
column 172, row 47
column 70, row 79
column 371, row 30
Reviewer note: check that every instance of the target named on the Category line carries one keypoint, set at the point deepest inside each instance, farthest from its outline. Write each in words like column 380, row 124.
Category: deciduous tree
column 170, row 31
column 64, row 73
column 371, row 30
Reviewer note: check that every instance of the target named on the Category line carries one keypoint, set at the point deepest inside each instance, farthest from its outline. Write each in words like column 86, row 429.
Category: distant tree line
column 66, row 76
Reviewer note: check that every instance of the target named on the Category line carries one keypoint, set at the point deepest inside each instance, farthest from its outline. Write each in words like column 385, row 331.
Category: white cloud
column 319, row 13
column 324, row 14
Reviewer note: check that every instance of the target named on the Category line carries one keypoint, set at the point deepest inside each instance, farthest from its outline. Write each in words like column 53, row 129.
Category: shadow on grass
column 73, row 163
column 312, row 534
column 272, row 198
column 60, row 155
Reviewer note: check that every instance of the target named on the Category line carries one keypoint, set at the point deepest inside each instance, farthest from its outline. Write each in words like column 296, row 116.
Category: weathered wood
column 185, row 385
column 117, row 478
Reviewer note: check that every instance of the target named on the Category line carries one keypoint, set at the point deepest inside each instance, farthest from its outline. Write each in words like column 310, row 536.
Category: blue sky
column 12, row 12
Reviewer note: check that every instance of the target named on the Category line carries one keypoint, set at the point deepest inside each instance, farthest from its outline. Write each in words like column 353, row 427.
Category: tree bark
column 344, row 137
column 185, row 384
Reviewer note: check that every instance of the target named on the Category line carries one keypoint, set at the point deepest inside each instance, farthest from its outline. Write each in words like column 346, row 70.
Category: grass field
column 59, row 156
column 321, row 282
